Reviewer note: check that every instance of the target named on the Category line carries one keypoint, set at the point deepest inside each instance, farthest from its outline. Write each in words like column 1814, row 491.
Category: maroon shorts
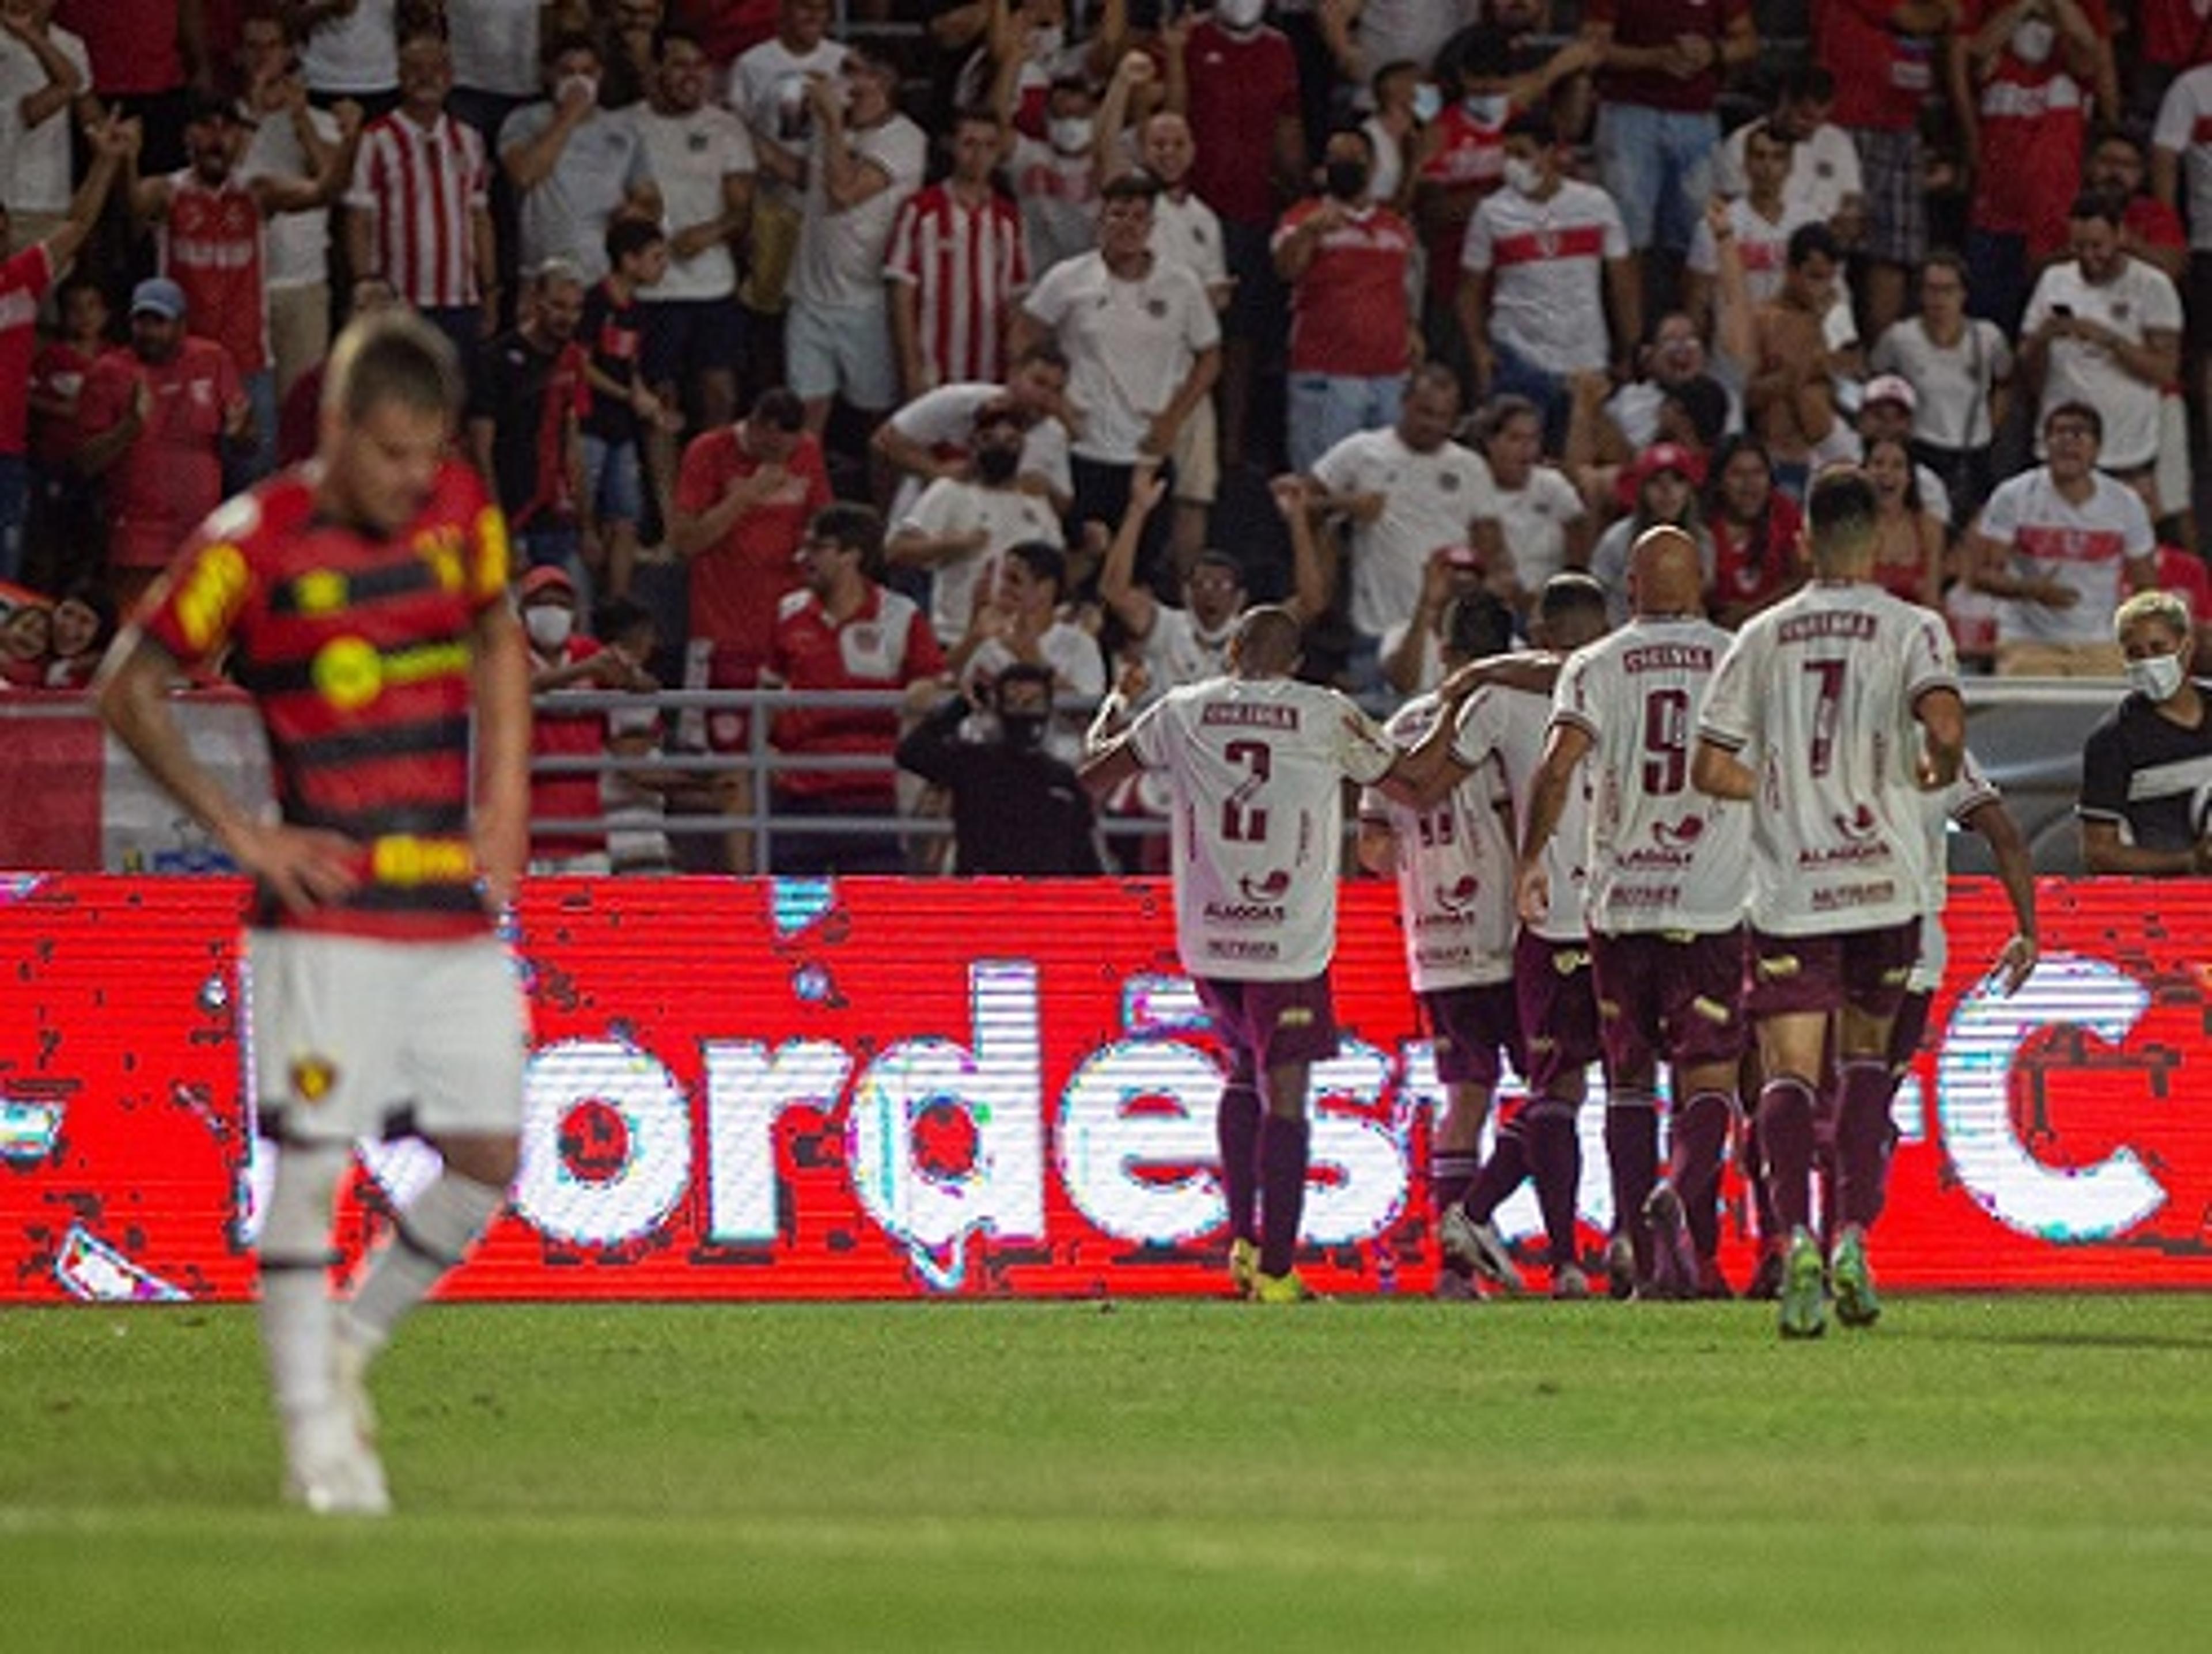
column 1864, row 970
column 1473, row 1027
column 1909, row 1030
column 1675, row 997
column 1268, row 1024
column 1558, row 1009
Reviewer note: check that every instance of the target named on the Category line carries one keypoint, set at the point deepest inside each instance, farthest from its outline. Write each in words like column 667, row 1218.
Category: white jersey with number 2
column 1817, row 693
column 1257, row 766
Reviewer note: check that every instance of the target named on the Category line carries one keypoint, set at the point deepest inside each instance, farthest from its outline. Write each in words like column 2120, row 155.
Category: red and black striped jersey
column 358, row 651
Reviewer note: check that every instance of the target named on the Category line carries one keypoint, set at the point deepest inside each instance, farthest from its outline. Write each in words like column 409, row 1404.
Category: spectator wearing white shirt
column 1825, row 181
column 1406, row 490
column 1762, row 218
column 45, row 78
column 928, row 437
column 1542, row 518
column 704, row 160
column 863, row 159
column 1020, row 620
column 2064, row 543
column 1960, row 367
column 961, row 525
column 2105, row 328
column 1144, row 350
column 291, row 139
column 1545, row 259
column 575, row 166
column 351, row 49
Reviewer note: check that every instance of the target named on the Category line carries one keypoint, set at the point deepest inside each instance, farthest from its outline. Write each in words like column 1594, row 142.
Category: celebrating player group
column 1659, row 845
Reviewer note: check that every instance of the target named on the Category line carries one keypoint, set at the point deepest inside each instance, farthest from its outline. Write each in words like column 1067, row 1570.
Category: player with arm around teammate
column 1255, row 761
column 1454, row 864
column 365, row 607
column 1664, row 905
column 1831, row 711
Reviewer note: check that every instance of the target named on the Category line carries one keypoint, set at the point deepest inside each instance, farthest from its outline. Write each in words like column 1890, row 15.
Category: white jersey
column 1509, row 727
column 1662, row 856
column 1455, row 869
column 1257, row 767
column 1956, row 802
column 1817, row 692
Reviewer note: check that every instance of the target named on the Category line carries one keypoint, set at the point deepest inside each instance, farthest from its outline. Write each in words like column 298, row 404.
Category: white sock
column 297, row 1312
column 428, row 1239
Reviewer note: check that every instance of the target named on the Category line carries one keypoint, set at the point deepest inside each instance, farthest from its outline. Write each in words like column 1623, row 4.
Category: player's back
column 1818, row 694
column 1663, row 857
column 1455, row 867
column 1257, row 766
column 1511, row 726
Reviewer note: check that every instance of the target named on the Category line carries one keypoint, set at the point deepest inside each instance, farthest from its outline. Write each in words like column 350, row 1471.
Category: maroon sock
column 1631, row 1156
column 1555, row 1155
column 1236, row 1128
column 1701, row 1130
column 1501, row 1173
column 1865, row 1133
column 1785, row 1139
column 1283, row 1191
column 1451, row 1174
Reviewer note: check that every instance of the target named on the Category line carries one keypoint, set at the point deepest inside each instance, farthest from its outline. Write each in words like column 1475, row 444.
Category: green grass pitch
column 2031, row 1472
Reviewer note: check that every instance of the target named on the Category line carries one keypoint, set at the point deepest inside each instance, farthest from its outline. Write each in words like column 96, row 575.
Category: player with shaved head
column 1664, row 903
column 1255, row 762
column 1832, row 712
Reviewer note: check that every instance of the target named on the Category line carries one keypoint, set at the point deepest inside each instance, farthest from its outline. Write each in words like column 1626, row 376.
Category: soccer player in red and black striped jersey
column 362, row 599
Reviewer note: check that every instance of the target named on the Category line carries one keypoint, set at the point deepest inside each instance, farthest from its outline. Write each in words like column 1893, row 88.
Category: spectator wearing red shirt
column 563, row 658
column 958, row 261
column 2023, row 75
column 2170, row 37
column 1882, row 53
column 156, row 415
column 743, row 495
column 24, row 278
column 1349, row 264
column 65, row 517
column 1659, row 66
column 1759, row 554
column 144, row 53
column 844, row 631
column 210, row 231
column 1236, row 81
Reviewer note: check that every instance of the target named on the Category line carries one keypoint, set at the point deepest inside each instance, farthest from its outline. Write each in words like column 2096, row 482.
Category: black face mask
column 1025, row 731
column 997, row 466
column 1347, row 180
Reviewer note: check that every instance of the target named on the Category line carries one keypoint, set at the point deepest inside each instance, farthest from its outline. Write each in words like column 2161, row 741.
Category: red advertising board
column 885, row 1089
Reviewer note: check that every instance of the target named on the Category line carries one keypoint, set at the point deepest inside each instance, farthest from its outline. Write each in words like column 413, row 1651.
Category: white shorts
column 353, row 1037
column 836, row 350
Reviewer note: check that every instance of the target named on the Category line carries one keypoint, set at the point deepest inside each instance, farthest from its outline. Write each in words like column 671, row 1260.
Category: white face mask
column 2032, row 40
column 1524, row 176
column 1048, row 42
column 1239, row 15
column 2156, row 678
column 1071, row 134
column 549, row 625
column 589, row 84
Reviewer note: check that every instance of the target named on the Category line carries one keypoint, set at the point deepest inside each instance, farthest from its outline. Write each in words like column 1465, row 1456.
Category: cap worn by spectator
column 158, row 296
column 1892, row 387
column 545, row 577
column 1685, row 462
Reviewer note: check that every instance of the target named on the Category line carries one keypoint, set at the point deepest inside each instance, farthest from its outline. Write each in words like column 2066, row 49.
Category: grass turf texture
column 2033, row 1472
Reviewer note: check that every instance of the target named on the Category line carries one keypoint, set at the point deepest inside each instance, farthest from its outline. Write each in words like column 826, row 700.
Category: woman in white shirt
column 1960, row 370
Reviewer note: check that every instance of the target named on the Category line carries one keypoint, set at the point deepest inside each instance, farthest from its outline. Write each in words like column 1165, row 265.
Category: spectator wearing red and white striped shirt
column 956, row 264
column 419, row 210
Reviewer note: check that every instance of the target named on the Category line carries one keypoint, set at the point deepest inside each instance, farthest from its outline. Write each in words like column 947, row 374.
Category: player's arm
column 1719, row 773
column 305, row 867
column 2016, row 963
column 1942, row 717
column 500, row 669
column 1107, row 766
column 2105, row 850
column 111, row 147
column 1568, row 745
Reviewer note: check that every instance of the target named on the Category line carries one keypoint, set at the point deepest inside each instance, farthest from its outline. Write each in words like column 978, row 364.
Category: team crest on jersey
column 1447, row 481
column 1547, row 243
column 1156, row 308
column 347, row 673
column 312, row 1077
column 697, row 144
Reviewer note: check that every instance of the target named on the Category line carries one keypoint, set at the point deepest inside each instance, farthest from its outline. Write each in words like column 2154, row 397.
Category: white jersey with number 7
column 1817, row 693
column 1257, row 766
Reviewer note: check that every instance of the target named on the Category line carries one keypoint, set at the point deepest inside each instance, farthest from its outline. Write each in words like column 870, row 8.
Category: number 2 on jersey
column 1241, row 820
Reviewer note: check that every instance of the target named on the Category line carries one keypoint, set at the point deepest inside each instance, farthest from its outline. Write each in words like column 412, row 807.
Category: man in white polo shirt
column 2065, row 542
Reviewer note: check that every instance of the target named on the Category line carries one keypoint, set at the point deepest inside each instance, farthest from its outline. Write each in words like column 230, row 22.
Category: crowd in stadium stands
column 894, row 345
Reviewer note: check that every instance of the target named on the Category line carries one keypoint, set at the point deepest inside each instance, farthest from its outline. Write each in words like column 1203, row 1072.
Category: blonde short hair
column 2169, row 609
